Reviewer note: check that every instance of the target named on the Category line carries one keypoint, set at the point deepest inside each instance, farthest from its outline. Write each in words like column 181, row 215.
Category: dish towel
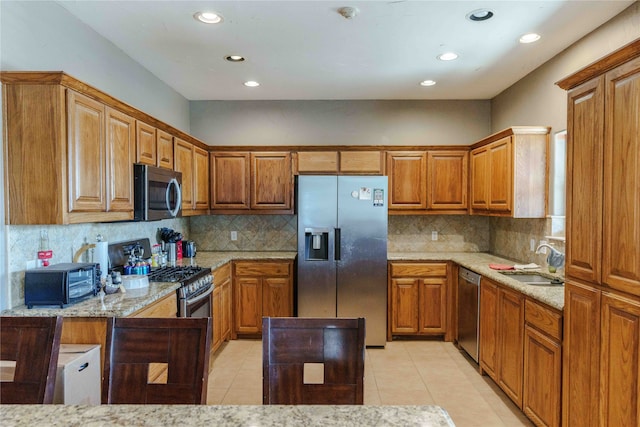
column 500, row 267
column 530, row 266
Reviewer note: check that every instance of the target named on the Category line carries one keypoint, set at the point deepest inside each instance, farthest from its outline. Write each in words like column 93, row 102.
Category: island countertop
column 224, row 415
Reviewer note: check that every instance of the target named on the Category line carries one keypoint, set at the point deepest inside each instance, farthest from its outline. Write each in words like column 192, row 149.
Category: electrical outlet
column 532, row 245
column 234, row 235
column 434, row 236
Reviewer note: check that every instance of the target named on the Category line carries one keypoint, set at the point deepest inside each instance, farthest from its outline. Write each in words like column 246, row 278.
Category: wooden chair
column 135, row 345
column 312, row 361
column 33, row 344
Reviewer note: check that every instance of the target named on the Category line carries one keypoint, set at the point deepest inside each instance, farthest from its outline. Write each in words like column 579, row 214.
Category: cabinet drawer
column 261, row 269
column 221, row 274
column 418, row 270
column 547, row 320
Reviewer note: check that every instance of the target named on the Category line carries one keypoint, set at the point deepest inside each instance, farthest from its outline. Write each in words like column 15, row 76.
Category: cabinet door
column 226, row 309
column 216, row 318
column 501, row 172
column 317, row 162
column 407, row 171
column 120, row 138
column 447, row 182
column 542, row 378
column 164, row 146
column 585, row 130
column 361, row 162
column 620, row 361
column 511, row 343
column 230, row 180
column 200, row 179
column 489, row 328
column 621, row 216
column 183, row 162
column 404, row 305
column 277, row 297
column 271, row 181
column 146, row 147
column 87, row 152
column 248, row 304
column 433, row 305
column 480, row 175
column 581, row 356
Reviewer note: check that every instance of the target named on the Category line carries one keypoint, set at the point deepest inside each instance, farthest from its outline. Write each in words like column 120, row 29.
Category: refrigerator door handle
column 337, row 244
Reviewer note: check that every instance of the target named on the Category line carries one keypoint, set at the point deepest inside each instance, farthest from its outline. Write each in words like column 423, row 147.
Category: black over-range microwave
column 157, row 193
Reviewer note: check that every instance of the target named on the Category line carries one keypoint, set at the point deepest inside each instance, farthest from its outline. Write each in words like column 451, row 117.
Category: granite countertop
column 224, row 415
column 479, row 262
column 218, row 259
column 114, row 305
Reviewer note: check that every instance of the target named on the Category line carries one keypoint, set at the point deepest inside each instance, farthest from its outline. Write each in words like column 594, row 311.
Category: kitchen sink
column 536, row 279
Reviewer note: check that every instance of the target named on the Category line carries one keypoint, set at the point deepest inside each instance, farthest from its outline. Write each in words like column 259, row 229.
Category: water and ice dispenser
column 316, row 244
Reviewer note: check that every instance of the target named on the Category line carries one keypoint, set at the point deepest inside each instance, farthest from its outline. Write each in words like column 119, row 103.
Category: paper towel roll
column 101, row 256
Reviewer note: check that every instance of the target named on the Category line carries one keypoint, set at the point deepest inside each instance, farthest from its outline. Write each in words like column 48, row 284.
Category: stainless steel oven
column 198, row 306
column 194, row 294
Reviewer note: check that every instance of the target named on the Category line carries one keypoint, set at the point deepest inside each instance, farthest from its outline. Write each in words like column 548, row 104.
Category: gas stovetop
column 177, row 274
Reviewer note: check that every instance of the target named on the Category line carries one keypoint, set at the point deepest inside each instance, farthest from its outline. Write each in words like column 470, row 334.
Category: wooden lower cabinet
column 502, row 337
column 542, row 364
column 418, row 299
column 221, row 306
column 261, row 288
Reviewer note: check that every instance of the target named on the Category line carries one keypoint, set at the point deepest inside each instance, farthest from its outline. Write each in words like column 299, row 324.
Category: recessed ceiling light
column 208, row 17
column 427, row 83
column 529, row 38
column 449, row 56
column 480, row 15
column 251, row 83
column 234, row 58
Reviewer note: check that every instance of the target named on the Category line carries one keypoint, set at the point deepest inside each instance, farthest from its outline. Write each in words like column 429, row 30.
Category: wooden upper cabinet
column 193, row 163
column 183, row 162
column 121, row 153
column 585, row 133
column 621, row 216
column 509, row 173
column 354, row 162
column 447, row 180
column 317, row 162
column 407, row 173
column 164, row 146
column 146, row 146
column 87, row 154
column 271, row 181
column 480, row 174
column 230, row 180
column 200, row 179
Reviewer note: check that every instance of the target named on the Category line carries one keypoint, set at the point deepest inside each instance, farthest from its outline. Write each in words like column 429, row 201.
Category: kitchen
column 545, row 104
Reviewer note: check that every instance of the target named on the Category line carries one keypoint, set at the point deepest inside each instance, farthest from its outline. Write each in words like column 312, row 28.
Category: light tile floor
column 403, row 373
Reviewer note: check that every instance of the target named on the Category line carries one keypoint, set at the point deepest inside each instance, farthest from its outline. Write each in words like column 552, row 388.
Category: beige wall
column 340, row 122
column 536, row 100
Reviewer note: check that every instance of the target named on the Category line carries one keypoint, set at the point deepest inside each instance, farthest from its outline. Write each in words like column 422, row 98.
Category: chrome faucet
column 555, row 258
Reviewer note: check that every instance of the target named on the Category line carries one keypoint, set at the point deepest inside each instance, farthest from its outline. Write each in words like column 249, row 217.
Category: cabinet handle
column 337, row 244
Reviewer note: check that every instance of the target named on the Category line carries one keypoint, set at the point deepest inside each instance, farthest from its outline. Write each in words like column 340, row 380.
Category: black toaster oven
column 61, row 284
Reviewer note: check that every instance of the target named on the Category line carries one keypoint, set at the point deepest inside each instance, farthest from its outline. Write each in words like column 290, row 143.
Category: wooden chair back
column 312, row 361
column 135, row 346
column 33, row 343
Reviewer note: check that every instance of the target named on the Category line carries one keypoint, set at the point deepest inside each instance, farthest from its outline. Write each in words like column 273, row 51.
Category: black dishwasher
column 468, row 311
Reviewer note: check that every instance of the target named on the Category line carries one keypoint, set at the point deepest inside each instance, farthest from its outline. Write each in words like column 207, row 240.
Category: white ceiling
column 306, row 50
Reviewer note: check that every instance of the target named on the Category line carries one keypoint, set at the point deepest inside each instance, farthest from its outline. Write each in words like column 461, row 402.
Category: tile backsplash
column 65, row 240
column 456, row 233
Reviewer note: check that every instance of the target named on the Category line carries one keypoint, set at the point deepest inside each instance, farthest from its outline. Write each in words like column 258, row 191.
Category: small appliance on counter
column 61, row 284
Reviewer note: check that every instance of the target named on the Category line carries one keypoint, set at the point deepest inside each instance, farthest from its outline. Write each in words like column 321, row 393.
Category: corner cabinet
column 66, row 153
column 509, row 173
column 261, row 288
column 601, row 360
column 418, row 299
column 251, row 182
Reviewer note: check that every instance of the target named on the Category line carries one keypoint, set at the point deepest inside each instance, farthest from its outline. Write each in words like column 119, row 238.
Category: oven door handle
column 200, row 297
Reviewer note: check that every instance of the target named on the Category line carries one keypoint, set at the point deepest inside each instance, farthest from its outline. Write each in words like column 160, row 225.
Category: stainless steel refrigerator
column 342, row 250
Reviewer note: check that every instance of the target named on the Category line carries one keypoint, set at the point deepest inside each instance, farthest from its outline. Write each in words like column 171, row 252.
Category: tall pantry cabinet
column 601, row 363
